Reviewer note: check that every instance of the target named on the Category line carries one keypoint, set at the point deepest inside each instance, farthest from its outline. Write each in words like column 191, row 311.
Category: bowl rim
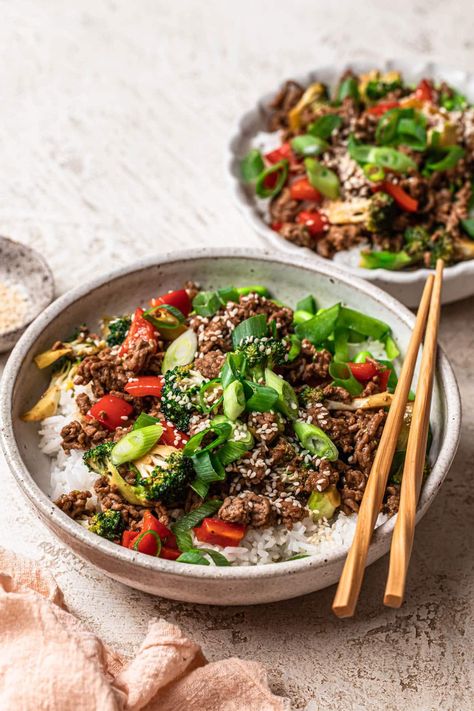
column 247, row 204
column 53, row 514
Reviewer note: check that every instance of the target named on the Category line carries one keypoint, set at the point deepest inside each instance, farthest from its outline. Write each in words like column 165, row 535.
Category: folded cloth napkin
column 50, row 661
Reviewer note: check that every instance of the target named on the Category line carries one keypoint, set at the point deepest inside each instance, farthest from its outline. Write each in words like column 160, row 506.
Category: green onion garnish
column 222, row 430
column 234, row 400
column 324, row 126
column 182, row 527
column 315, row 440
column 260, row 398
column 280, row 171
column 208, row 469
column 308, row 145
column 287, row 402
column 253, row 327
column 251, row 166
column 181, row 351
column 193, row 557
column 322, row 178
column 211, row 385
column 135, row 444
column 233, row 368
column 144, row 420
column 150, row 532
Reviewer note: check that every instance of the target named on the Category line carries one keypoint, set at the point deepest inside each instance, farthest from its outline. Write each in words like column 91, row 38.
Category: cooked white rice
column 269, row 545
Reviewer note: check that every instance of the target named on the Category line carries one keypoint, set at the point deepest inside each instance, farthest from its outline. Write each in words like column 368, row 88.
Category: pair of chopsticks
column 348, row 590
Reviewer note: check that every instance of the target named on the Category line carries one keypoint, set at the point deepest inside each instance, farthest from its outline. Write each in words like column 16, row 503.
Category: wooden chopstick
column 350, row 582
column 404, row 531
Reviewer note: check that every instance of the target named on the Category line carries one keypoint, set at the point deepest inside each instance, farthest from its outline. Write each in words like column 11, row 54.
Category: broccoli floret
column 97, row 459
column 309, row 396
column 381, row 211
column 376, row 89
column 117, row 330
column 108, row 524
column 179, row 396
column 265, row 352
column 169, row 479
column 417, row 240
column 442, row 247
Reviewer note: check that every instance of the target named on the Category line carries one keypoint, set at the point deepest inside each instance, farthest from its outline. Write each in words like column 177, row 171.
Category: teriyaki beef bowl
column 203, row 427
column 372, row 168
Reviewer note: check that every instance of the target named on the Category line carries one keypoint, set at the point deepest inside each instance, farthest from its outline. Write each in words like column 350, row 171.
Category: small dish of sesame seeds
column 26, row 288
column 372, row 168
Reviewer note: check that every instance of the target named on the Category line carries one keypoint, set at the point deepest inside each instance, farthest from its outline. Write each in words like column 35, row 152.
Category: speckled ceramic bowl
column 407, row 285
column 26, row 272
column 289, row 277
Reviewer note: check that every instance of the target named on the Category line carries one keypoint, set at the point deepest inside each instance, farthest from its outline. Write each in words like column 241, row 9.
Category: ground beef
column 323, row 477
column 74, row 504
column 337, row 393
column 247, row 508
column 392, row 499
column 297, row 234
column 83, row 403
column 252, row 465
column 288, row 96
column 265, row 426
column 353, row 486
column 83, row 435
column 105, row 371
column 283, row 208
column 310, row 367
column 210, row 364
column 370, row 426
column 282, row 453
column 139, row 355
column 339, row 237
column 291, row 511
column 254, row 304
column 213, row 334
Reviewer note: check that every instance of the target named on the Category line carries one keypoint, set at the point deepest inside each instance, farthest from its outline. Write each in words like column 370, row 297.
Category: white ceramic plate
column 404, row 285
column 289, row 277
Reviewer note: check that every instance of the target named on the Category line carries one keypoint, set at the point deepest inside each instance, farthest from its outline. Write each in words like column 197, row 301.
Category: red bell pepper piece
column 315, row 222
column 140, row 330
column 276, row 226
column 179, row 299
column 220, row 533
column 402, row 198
column 111, row 411
column 424, row 91
column 284, row 151
column 148, row 543
column 145, row 385
column 172, row 436
column 169, row 553
column 128, row 538
column 363, row 372
column 384, row 375
column 302, row 189
column 382, row 107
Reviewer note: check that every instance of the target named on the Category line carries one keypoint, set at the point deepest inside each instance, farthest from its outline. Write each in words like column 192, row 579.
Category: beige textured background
column 113, row 122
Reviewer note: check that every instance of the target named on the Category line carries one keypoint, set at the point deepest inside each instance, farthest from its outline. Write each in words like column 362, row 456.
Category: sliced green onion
column 234, row 448
column 144, row 420
column 251, row 166
column 342, row 377
column 374, row 172
column 295, row 347
column 217, row 557
column 369, row 326
column 308, row 145
column 391, row 348
column 206, row 303
column 451, row 156
column 300, row 316
column 253, row 327
column 348, row 88
column 280, row 169
column 164, row 317
column 182, row 527
column 193, row 557
column 208, row 469
column 362, row 357
column 234, row 400
column 341, row 344
column 135, row 444
column 324, row 126
column 319, row 328
column 322, row 178
column 287, row 402
column 214, row 384
column 253, row 289
column 391, row 159
column 231, row 451
column 180, row 351
column 315, row 440
column 260, row 398
column 149, row 532
column 222, row 430
column 233, row 368
column 307, row 304
column 358, row 151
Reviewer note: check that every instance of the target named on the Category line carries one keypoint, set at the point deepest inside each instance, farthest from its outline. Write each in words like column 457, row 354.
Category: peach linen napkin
column 50, row 662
